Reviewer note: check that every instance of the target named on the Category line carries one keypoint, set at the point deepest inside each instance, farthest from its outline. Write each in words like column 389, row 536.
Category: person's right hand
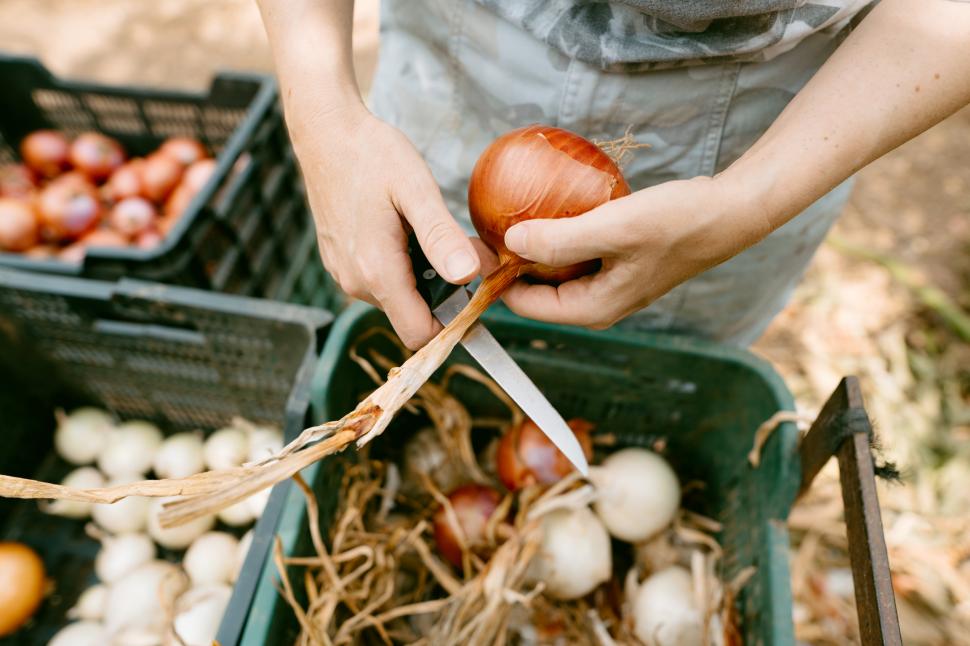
column 366, row 183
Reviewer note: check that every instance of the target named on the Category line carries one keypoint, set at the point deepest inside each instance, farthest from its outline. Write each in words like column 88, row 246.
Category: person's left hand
column 649, row 242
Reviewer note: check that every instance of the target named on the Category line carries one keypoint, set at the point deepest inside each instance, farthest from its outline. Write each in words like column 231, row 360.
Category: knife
column 446, row 301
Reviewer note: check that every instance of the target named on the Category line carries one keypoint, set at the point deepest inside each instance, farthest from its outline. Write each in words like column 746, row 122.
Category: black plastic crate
column 248, row 232
column 181, row 358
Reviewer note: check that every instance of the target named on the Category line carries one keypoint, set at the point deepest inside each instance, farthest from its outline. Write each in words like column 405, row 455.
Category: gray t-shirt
column 646, row 34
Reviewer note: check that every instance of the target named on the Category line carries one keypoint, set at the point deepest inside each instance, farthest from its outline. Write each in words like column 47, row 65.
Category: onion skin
column 526, row 456
column 96, row 155
column 124, row 182
column 540, row 172
column 22, row 583
column 473, row 504
column 45, row 152
column 18, row 225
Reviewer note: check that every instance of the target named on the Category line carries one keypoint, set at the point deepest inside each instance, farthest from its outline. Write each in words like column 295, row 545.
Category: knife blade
column 446, row 301
column 489, row 353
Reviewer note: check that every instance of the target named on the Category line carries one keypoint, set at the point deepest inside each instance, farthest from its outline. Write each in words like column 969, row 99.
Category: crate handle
column 843, row 429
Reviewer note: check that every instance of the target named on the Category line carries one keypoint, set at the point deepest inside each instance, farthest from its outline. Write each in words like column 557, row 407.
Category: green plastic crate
column 705, row 399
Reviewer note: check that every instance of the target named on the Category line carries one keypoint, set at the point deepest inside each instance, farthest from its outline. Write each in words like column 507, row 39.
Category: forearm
column 312, row 47
column 904, row 69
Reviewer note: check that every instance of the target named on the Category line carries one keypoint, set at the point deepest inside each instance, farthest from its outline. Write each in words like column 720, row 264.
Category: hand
column 649, row 242
column 365, row 180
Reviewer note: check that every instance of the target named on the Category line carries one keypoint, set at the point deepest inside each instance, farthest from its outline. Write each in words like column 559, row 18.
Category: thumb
column 561, row 241
column 445, row 244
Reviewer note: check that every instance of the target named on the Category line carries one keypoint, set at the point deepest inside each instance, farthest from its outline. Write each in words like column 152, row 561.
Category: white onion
column 181, row 536
column 226, row 448
column 179, row 456
column 424, row 455
column 82, row 435
column 121, row 554
column 242, row 552
column 80, row 478
column 81, row 633
column 264, row 443
column 574, row 556
column 637, row 493
column 211, row 558
column 199, row 613
column 256, row 503
column 237, row 514
column 135, row 602
column 126, row 515
column 131, row 448
column 664, row 611
column 91, row 604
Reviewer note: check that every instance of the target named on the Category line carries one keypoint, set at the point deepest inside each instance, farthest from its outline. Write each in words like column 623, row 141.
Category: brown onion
column 184, row 150
column 16, row 180
column 68, row 207
column 540, row 172
column 160, row 175
column 96, row 155
column 148, row 239
column 131, row 216
column 526, row 456
column 474, row 505
column 124, row 182
column 22, row 583
column 98, row 238
column 18, row 225
column 45, row 152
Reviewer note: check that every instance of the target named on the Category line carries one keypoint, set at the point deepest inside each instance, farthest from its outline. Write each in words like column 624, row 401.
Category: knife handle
column 433, row 288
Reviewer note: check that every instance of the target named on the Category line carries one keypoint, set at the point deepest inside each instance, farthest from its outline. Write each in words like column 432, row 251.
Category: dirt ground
column 886, row 299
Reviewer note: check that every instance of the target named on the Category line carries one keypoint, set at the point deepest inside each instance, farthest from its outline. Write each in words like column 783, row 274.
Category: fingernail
column 459, row 265
column 515, row 238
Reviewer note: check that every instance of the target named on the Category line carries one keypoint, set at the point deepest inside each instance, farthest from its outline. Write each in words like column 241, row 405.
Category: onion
column 124, row 182
column 181, row 536
column 527, row 456
column 179, row 456
column 424, row 455
column 198, row 174
column 664, row 611
column 126, row 515
column 16, row 180
column 226, row 448
column 135, row 602
column 211, row 558
column 21, row 585
column 184, row 150
column 45, row 152
column 637, row 493
column 131, row 448
column 91, row 604
column 81, row 633
column 122, row 554
column 473, row 504
column 256, row 503
column 132, row 216
column 148, row 239
column 242, row 552
column 96, row 155
column 160, row 174
column 236, row 514
column 574, row 556
column 199, row 613
column 68, row 207
column 80, row 478
column 539, row 172
column 102, row 238
column 18, row 225
column 264, row 442
column 81, row 436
